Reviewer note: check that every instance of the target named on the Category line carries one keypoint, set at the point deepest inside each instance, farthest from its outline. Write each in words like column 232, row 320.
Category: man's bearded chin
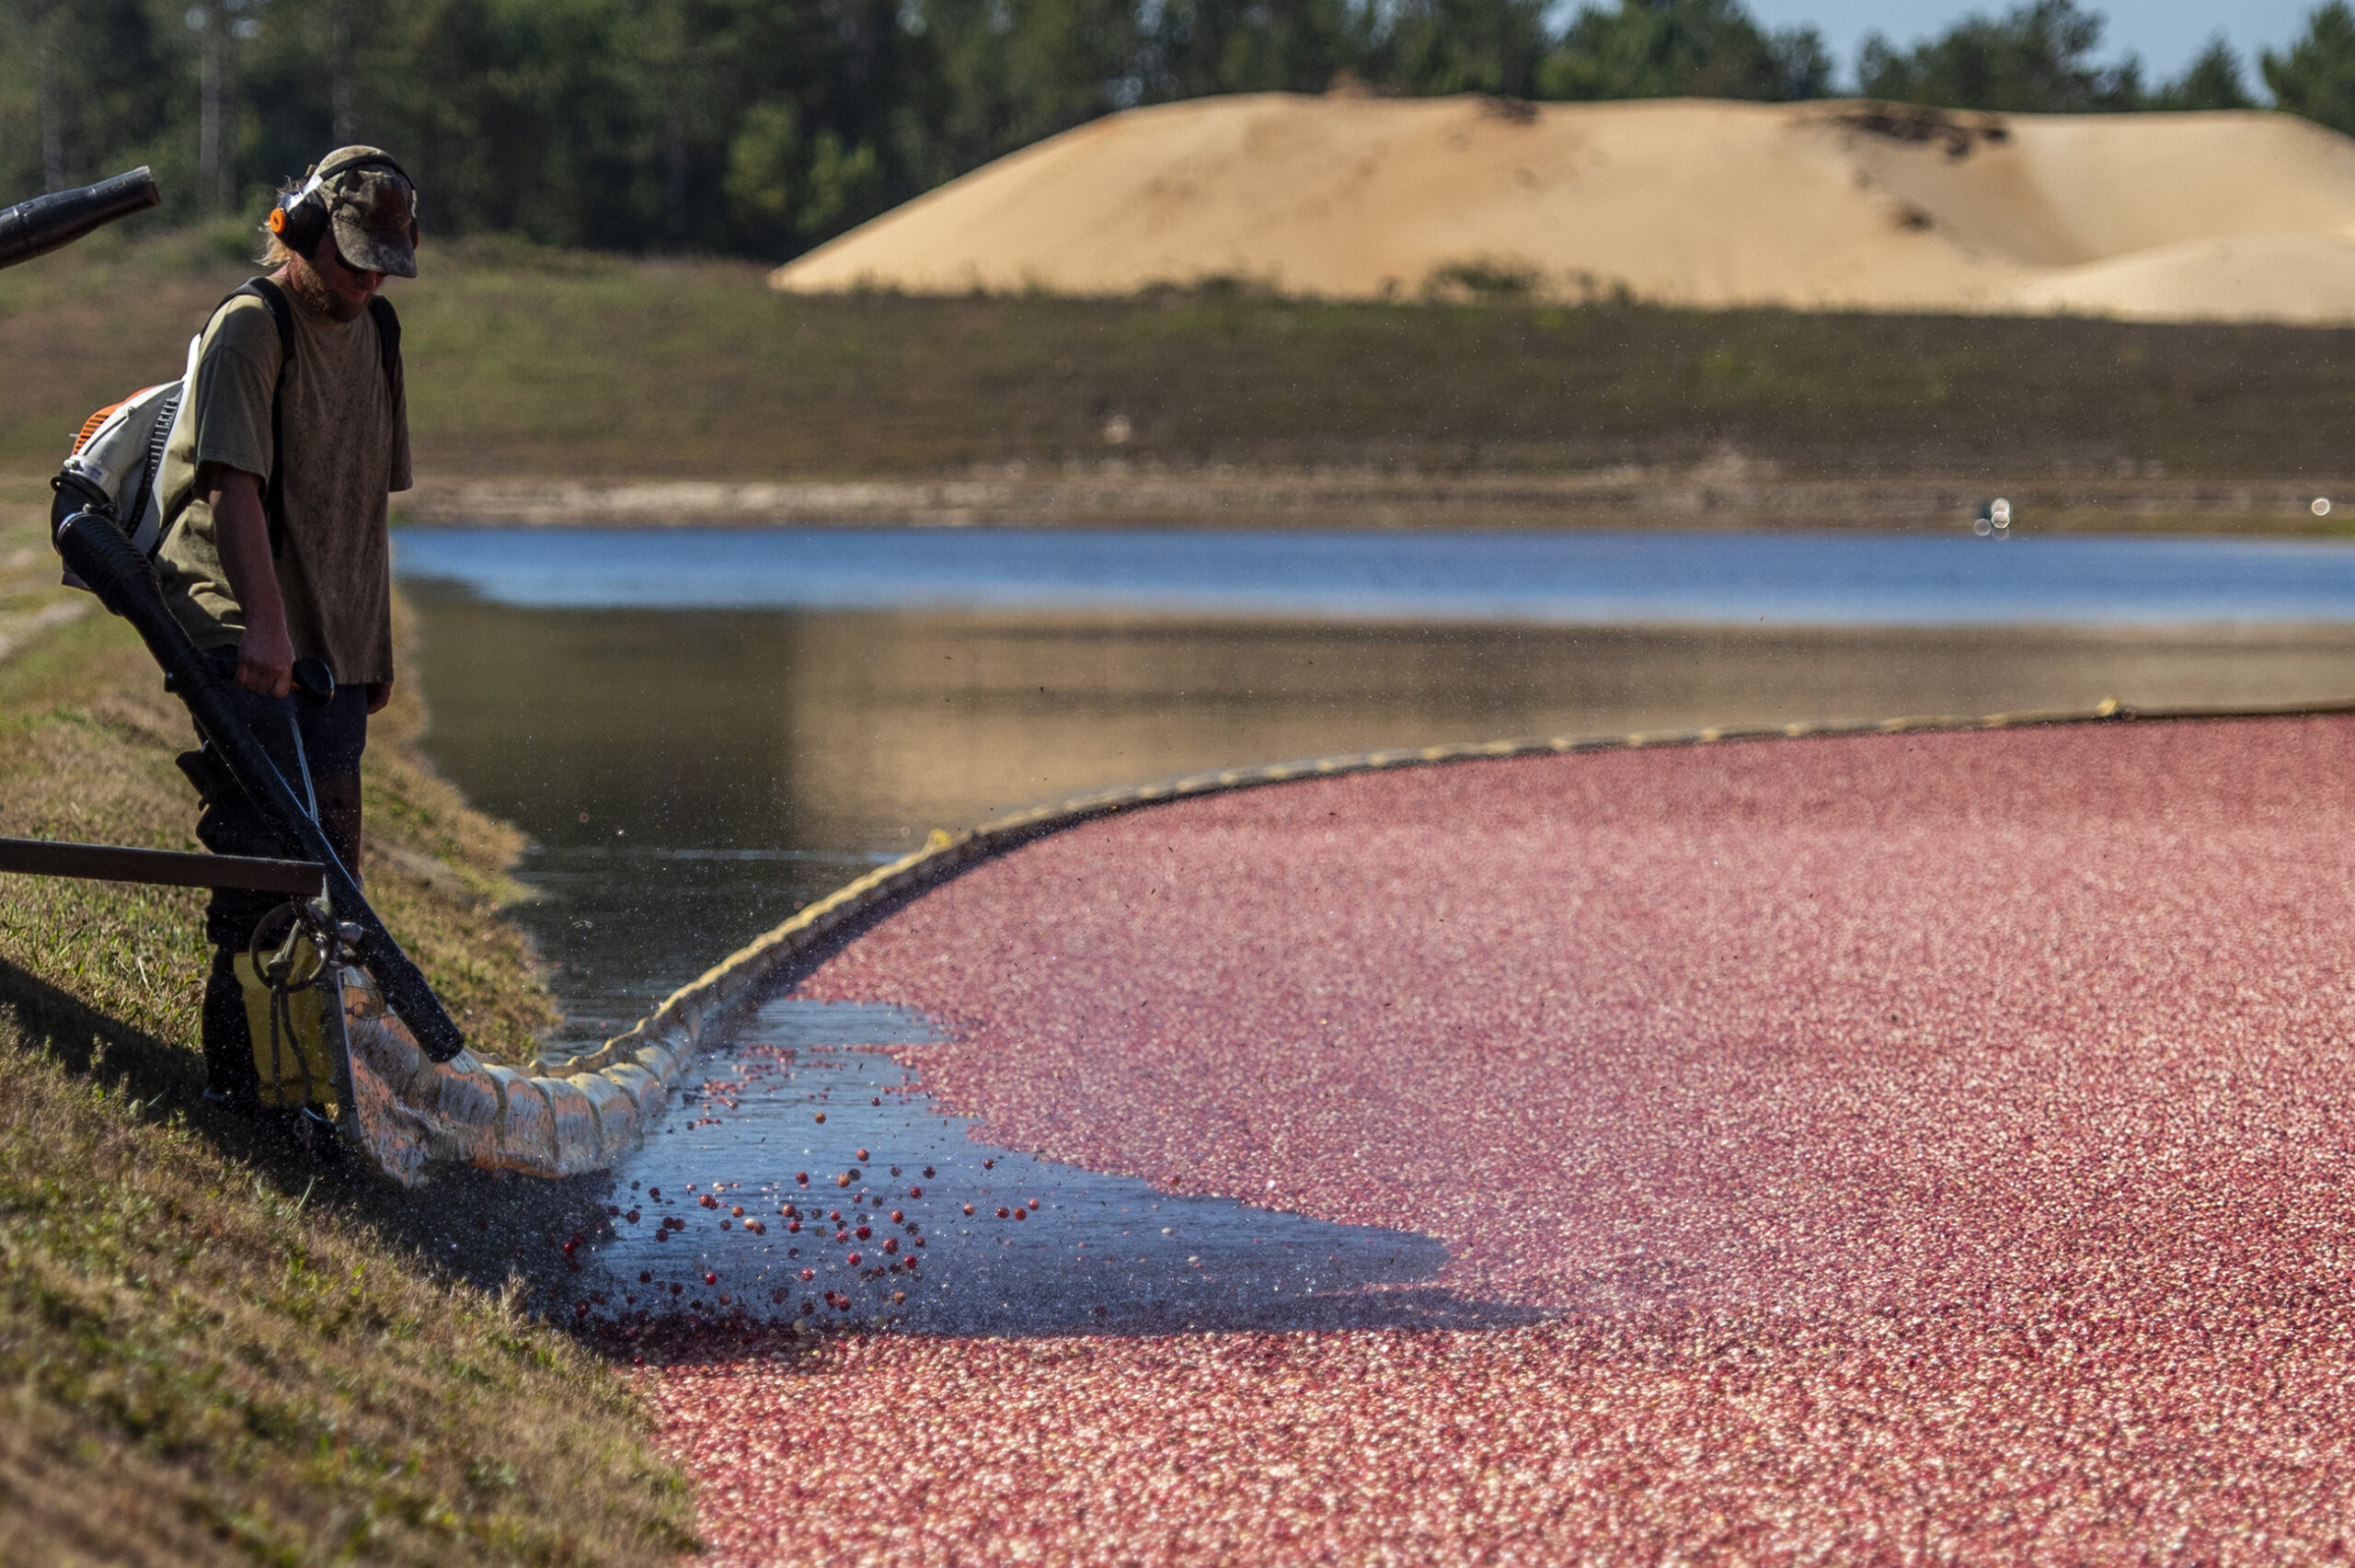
column 313, row 291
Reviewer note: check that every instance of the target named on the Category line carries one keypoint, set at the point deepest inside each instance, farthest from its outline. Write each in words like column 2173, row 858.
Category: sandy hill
column 1830, row 205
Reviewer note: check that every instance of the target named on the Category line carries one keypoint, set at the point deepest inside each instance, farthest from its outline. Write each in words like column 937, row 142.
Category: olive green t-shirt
column 347, row 447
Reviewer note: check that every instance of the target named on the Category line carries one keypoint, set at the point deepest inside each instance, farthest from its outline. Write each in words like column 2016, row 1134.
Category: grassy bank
column 597, row 367
column 209, row 1353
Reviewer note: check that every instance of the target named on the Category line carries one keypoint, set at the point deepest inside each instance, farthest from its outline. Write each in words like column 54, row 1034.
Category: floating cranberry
column 800, row 1176
column 808, row 1274
column 862, row 1156
column 916, row 1191
column 821, row 1117
column 738, row 1211
column 1002, row 1212
column 898, row 1216
column 892, row 1243
column 711, row 1279
column 854, row 1260
column 969, row 1208
column 646, row 1277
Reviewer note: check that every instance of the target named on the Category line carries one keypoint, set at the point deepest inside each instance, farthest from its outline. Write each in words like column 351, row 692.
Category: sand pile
column 2242, row 216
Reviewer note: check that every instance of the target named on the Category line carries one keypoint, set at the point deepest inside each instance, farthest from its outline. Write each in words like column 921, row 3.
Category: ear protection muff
column 300, row 217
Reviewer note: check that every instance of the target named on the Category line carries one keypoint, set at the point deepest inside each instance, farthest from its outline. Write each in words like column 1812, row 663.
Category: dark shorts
column 333, row 736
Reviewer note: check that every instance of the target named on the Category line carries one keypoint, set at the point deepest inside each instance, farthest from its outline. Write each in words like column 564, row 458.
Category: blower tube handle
column 125, row 581
column 40, row 225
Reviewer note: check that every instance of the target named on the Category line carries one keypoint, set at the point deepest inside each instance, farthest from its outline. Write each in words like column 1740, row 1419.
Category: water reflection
column 689, row 778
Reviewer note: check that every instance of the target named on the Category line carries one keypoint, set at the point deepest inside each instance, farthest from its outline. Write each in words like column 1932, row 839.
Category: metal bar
column 172, row 868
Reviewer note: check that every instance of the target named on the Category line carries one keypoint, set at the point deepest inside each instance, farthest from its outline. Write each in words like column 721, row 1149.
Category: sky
column 2167, row 33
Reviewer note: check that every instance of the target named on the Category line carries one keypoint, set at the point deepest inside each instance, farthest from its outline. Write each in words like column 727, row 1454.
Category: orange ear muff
column 277, row 221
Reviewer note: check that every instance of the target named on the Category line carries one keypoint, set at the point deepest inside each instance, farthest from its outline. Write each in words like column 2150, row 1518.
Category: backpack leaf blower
column 125, row 581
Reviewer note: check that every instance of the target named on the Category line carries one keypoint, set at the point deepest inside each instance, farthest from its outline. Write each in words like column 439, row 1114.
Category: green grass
column 544, row 363
column 209, row 1352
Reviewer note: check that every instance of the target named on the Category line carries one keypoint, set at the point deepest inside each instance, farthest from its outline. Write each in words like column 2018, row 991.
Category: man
column 275, row 551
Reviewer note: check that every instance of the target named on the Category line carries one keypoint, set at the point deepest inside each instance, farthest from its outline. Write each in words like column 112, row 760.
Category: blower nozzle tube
column 40, row 225
column 125, row 582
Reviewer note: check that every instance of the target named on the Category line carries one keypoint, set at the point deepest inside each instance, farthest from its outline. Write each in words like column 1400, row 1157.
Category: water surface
column 691, row 775
column 1784, row 578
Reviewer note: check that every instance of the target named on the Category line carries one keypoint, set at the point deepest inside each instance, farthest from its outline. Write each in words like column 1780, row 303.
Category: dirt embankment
column 1689, row 202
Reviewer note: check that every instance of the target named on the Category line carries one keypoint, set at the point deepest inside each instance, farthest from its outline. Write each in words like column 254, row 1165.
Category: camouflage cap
column 373, row 209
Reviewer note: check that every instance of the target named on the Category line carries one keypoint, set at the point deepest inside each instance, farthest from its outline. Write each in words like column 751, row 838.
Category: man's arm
column 266, row 654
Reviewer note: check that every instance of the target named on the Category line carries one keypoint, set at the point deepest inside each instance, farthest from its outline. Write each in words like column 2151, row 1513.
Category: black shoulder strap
column 274, row 495
column 159, row 435
column 388, row 339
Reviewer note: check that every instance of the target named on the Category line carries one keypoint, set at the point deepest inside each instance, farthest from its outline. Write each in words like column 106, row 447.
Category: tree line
column 763, row 127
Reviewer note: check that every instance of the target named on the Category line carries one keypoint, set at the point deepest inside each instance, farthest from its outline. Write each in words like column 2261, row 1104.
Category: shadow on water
column 1091, row 1253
